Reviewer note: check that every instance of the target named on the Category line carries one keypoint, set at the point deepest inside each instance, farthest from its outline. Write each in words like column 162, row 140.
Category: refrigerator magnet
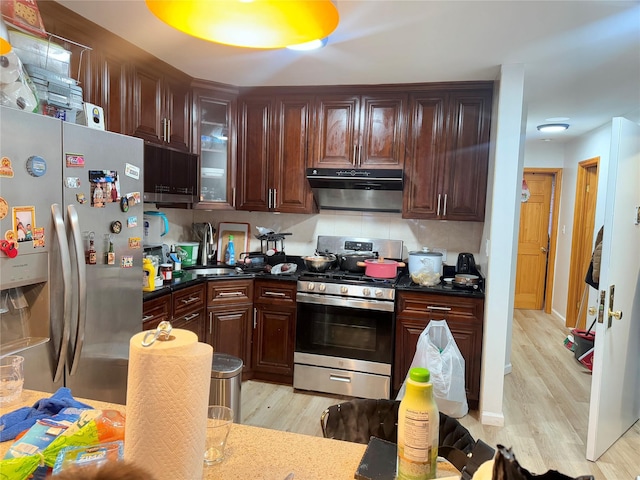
column 134, row 242
column 36, row 166
column 116, row 226
column 38, row 237
column 10, row 236
column 81, row 198
column 6, row 170
column 126, row 261
column 135, row 196
column 72, row 182
column 124, row 204
column 132, row 171
column 74, row 160
column 4, row 208
column 132, row 222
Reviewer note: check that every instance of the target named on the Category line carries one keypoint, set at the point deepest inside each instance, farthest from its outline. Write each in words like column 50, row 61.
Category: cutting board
column 240, row 232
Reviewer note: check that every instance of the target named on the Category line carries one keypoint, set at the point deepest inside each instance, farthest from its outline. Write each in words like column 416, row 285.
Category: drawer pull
column 337, row 378
column 442, row 309
column 147, row 317
column 190, row 300
column 188, row 318
column 231, row 294
column 275, row 294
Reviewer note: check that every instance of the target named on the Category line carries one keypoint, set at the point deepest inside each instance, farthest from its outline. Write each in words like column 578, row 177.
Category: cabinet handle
column 230, row 294
column 359, row 155
column 233, row 200
column 189, row 300
column 269, row 199
column 168, row 130
column 442, row 309
column 444, row 213
column 355, row 149
column 210, row 323
column 188, row 318
column 337, row 378
column 275, row 202
column 438, row 212
column 275, row 294
column 147, row 317
column 255, row 320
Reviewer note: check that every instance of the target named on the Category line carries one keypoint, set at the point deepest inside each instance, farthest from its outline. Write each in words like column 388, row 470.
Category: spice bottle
column 418, row 424
column 91, row 254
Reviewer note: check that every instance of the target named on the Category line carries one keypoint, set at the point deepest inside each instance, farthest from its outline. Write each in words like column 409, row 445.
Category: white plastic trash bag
column 437, row 351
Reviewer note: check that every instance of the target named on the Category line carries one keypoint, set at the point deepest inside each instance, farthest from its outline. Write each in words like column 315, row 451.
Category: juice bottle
column 418, row 424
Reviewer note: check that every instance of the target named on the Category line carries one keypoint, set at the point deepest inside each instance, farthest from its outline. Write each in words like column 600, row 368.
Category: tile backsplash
column 454, row 237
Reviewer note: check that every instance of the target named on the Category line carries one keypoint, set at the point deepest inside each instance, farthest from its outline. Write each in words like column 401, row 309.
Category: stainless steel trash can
column 226, row 378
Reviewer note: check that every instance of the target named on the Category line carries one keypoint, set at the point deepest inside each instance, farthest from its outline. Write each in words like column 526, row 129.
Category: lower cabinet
column 183, row 308
column 464, row 316
column 274, row 330
column 230, row 320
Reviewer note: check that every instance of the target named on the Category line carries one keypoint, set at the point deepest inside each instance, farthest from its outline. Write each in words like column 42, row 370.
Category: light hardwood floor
column 546, row 407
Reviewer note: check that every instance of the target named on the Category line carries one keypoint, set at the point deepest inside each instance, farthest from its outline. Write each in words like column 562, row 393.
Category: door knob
column 615, row 314
column 543, row 249
column 592, row 310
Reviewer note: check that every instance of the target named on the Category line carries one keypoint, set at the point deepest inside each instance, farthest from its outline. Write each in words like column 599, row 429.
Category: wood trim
column 553, row 241
column 576, row 273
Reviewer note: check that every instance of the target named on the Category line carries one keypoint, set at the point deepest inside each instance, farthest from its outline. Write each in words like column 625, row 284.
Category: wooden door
column 254, row 153
column 382, row 131
column 533, row 240
column 424, row 155
column 337, row 124
column 231, row 332
column 292, row 193
column 273, row 342
column 616, row 361
column 467, row 159
column 582, row 241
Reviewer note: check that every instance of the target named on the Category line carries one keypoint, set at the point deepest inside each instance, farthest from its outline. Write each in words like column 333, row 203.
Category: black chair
column 360, row 419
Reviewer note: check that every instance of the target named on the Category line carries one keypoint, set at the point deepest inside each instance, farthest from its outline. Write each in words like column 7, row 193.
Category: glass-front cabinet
column 214, row 131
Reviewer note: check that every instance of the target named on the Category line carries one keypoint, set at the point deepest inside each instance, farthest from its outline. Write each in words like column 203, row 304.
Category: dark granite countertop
column 406, row 284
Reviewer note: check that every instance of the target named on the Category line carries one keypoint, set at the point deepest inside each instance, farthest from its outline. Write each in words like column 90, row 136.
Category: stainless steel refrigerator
column 70, row 253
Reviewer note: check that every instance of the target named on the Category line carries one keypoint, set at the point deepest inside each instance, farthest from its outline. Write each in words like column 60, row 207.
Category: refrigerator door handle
column 74, row 223
column 65, row 260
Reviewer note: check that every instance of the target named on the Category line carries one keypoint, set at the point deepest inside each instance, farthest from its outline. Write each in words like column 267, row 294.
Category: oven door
column 345, row 328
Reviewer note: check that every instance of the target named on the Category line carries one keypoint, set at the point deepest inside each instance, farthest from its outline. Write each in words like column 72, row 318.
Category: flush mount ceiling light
column 553, row 127
column 250, row 23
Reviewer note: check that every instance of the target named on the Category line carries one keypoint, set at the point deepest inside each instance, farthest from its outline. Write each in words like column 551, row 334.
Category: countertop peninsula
column 260, row 453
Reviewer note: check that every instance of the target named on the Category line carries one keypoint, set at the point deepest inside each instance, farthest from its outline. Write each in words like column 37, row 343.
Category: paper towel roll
column 167, row 399
column 10, row 68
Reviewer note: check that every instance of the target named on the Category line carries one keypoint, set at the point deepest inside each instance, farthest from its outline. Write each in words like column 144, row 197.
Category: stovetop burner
column 343, row 276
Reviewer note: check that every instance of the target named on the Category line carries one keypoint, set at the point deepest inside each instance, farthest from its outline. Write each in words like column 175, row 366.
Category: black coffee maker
column 466, row 264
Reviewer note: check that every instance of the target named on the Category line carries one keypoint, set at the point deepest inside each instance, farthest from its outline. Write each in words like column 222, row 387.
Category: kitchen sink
column 211, row 271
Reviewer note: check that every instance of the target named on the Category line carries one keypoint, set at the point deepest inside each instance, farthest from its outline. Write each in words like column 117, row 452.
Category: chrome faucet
column 207, row 244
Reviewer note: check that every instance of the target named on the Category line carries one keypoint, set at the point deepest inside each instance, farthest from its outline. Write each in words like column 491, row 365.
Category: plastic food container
column 425, row 267
column 188, row 251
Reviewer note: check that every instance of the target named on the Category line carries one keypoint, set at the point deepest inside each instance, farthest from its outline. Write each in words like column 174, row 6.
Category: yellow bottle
column 418, row 425
column 149, row 275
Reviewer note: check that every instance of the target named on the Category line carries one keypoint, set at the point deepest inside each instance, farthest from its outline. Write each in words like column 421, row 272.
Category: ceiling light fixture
column 312, row 45
column 553, row 127
column 250, row 23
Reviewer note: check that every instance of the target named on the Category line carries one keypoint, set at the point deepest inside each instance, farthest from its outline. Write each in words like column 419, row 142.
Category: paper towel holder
column 162, row 333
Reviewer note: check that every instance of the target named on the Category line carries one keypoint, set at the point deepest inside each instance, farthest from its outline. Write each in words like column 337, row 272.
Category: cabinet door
column 337, row 127
column 213, row 137
column 189, row 299
column 148, row 104
column 230, row 331
column 425, row 155
column 382, row 132
column 176, row 115
column 290, row 190
column 465, row 175
column 155, row 311
column 273, row 343
column 254, row 147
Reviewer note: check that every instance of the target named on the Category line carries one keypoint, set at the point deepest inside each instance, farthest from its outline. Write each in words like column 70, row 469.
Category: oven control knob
column 322, row 287
column 379, row 293
column 366, row 292
column 311, row 286
column 344, row 289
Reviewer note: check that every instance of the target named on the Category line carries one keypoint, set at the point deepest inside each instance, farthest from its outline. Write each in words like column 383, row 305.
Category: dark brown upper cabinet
column 359, row 131
column 447, row 153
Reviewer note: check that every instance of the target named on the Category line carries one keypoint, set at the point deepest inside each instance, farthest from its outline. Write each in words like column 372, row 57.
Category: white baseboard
column 494, row 419
column 507, row 368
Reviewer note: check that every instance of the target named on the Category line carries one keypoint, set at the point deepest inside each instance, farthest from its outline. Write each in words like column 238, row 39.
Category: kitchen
column 451, row 235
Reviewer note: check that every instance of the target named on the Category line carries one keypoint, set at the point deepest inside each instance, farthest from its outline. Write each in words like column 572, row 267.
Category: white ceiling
column 581, row 58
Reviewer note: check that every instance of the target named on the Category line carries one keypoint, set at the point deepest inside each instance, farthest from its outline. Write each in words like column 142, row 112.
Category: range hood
column 357, row 189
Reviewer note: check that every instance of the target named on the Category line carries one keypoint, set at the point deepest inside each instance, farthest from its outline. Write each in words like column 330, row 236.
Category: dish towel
column 12, row 423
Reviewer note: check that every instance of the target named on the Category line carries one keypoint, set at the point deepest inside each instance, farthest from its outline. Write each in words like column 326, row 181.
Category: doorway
column 537, row 238
column 582, row 242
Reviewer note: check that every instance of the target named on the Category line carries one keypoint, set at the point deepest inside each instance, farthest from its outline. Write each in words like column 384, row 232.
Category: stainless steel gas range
column 345, row 324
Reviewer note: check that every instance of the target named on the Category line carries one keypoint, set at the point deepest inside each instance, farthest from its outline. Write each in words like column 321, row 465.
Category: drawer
column 439, row 306
column 155, row 311
column 188, row 299
column 228, row 292
column 277, row 292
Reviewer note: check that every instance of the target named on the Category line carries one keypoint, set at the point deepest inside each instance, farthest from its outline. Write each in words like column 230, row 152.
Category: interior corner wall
column 503, row 218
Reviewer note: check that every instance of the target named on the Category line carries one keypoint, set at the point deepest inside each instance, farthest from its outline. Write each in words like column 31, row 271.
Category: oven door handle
column 334, row 301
